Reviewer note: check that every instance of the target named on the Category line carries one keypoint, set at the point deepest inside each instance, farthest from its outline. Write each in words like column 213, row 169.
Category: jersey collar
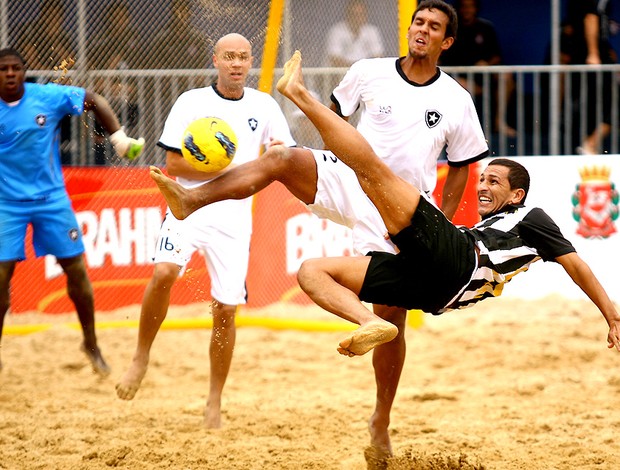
column 400, row 71
column 507, row 209
column 225, row 97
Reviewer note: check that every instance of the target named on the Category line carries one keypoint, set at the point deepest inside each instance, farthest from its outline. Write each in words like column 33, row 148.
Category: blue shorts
column 55, row 228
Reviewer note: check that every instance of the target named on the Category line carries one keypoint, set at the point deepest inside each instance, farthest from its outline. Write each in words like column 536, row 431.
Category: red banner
column 120, row 211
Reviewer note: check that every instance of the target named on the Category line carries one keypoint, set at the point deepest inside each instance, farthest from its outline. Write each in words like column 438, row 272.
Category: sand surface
column 506, row 385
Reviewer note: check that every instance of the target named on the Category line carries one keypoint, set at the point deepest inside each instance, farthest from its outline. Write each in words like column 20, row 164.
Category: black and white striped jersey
column 508, row 243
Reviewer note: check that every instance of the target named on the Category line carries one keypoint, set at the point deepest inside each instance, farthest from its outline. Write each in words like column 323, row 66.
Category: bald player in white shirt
column 221, row 231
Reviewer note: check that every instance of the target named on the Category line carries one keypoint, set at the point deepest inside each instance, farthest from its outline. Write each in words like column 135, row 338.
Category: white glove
column 126, row 146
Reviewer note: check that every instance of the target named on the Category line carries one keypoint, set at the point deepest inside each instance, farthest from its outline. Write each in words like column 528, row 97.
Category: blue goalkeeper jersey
column 30, row 166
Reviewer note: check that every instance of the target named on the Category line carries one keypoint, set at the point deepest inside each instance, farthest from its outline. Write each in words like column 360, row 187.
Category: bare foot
column 380, row 444
column 292, row 78
column 96, row 360
column 368, row 336
column 173, row 193
column 128, row 386
column 376, row 457
column 212, row 416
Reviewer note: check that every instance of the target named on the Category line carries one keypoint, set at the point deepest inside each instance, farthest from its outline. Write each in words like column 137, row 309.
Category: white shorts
column 340, row 198
column 221, row 232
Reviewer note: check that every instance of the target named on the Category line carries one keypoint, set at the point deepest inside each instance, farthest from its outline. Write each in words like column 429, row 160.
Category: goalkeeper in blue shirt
column 33, row 190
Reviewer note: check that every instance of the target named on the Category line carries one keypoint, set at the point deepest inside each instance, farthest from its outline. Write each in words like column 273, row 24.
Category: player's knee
column 164, row 275
column 223, row 314
column 395, row 315
column 281, row 157
column 307, row 272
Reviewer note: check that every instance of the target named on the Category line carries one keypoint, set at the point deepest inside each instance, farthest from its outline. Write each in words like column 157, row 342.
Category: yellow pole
column 405, row 12
column 415, row 318
column 270, row 51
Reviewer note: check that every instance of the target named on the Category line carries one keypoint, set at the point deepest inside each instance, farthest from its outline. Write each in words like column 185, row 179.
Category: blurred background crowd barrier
column 142, row 54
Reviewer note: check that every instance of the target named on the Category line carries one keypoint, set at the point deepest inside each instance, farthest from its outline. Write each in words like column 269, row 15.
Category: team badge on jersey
column 73, row 234
column 253, row 123
column 432, row 118
column 41, row 119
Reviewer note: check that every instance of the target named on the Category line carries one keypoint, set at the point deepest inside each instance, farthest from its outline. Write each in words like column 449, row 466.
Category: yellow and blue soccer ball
column 209, row 144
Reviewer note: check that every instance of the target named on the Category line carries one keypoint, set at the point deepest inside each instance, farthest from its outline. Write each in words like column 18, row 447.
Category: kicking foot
column 128, row 386
column 368, row 336
column 376, row 457
column 96, row 360
column 173, row 193
column 292, row 81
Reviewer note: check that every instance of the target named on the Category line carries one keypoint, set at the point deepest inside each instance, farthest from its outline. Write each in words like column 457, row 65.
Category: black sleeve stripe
column 337, row 104
column 469, row 161
column 168, row 149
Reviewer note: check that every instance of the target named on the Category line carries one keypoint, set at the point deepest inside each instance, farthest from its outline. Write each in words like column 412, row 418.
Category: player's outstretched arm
column 453, row 190
column 582, row 275
column 124, row 145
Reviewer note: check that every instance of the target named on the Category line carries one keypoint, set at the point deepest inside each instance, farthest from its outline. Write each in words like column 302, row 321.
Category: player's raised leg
column 381, row 185
column 342, row 140
column 295, row 168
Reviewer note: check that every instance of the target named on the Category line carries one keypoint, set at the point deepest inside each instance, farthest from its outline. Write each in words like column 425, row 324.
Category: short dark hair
column 9, row 51
column 453, row 22
column 518, row 176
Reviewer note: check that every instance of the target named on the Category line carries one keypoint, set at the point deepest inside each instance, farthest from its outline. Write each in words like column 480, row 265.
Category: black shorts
column 435, row 261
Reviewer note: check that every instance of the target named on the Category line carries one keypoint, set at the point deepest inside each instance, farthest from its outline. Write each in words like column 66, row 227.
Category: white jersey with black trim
column 508, row 243
column 256, row 118
column 408, row 125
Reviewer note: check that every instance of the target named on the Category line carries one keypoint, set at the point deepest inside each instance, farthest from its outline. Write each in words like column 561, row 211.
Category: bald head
column 232, row 41
column 232, row 58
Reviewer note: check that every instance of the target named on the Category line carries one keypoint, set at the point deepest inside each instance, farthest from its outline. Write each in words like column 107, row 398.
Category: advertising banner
column 120, row 211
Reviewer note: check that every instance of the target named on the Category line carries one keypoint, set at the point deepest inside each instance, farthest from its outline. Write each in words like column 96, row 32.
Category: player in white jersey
column 409, row 124
column 412, row 110
column 222, row 231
